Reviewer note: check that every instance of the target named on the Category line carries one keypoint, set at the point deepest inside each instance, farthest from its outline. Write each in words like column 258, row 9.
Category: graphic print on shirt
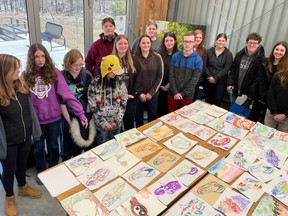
column 40, row 89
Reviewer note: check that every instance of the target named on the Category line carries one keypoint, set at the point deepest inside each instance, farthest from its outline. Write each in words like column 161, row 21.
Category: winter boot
column 29, row 191
column 11, row 206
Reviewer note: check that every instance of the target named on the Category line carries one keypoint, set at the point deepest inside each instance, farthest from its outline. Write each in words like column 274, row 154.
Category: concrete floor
column 46, row 205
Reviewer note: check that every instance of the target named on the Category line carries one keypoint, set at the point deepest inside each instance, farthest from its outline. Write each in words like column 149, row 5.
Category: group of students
column 117, row 84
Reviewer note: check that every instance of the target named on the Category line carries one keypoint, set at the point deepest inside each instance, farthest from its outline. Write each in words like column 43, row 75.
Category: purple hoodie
column 45, row 99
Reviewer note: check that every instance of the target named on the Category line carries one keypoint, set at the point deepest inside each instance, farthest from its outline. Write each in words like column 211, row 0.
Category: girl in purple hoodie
column 48, row 86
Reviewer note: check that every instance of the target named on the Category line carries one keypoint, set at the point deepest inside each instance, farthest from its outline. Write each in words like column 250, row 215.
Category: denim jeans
column 50, row 134
column 104, row 135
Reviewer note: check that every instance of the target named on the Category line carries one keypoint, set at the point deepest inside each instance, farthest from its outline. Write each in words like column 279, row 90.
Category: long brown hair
column 271, row 57
column 126, row 60
column 283, row 73
column 48, row 73
column 8, row 66
column 163, row 51
column 138, row 52
column 200, row 48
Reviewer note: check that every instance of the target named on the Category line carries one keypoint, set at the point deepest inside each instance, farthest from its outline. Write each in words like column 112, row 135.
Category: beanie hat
column 110, row 64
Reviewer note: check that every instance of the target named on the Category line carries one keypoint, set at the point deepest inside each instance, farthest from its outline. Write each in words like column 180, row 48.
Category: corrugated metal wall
column 236, row 18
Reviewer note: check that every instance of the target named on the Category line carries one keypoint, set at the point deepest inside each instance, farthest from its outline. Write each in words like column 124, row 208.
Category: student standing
column 102, row 47
column 78, row 79
column 18, row 122
column 107, row 98
column 277, row 112
column 184, row 74
column 121, row 49
column 268, row 68
column 217, row 63
column 48, row 88
column 168, row 47
column 149, row 67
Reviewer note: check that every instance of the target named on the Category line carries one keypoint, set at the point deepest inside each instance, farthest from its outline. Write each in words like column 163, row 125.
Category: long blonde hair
column 126, row 60
column 8, row 65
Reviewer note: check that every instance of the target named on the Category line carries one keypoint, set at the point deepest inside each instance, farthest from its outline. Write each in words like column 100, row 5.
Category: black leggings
column 15, row 163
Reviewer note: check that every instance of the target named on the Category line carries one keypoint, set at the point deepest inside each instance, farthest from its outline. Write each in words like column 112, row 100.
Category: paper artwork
column 243, row 123
column 229, row 117
column 108, row 149
column 186, row 111
column 268, row 205
column 215, row 111
column 141, row 175
column 281, row 136
column 262, row 130
column 129, row 137
column 171, row 118
column 201, row 118
column 273, row 157
column 115, row 193
column 199, row 105
column 243, row 154
column 203, row 132
column 249, row 186
column 158, row 132
column 217, row 124
column 209, row 188
column 82, row 162
column 190, row 204
column 186, row 125
column 277, row 145
column 96, row 176
column 84, row 203
column 186, row 172
column 144, row 148
column 284, row 170
column 202, row 156
column 222, row 141
column 278, row 187
column 233, row 203
column 164, row 160
column 235, row 132
column 142, row 203
column 58, row 180
column 256, row 140
column 180, row 143
column 122, row 161
column 166, row 189
column 225, row 171
column 263, row 171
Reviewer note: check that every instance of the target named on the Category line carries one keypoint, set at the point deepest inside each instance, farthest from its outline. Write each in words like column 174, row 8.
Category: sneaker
column 11, row 209
column 39, row 182
column 27, row 190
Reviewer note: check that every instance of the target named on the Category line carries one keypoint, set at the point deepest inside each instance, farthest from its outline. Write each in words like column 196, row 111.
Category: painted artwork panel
column 159, row 133
column 186, row 111
column 284, row 170
column 186, row 172
column 229, row 117
column 84, row 203
column 164, row 160
column 166, row 189
column 256, row 140
column 190, row 204
column 202, row 156
column 141, row 175
column 263, row 130
column 263, row 171
column 108, row 149
column 180, row 143
column 222, row 141
column 115, row 193
column 217, row 124
column 249, row 186
column 171, row 118
column 278, row 187
column 204, row 132
column 186, row 125
column 243, row 123
column 82, row 162
column 201, row 118
column 281, row 136
column 142, row 203
column 273, row 157
column 235, row 132
column 122, row 161
column 209, row 188
column 129, row 137
column 96, row 176
column 277, row 145
column 144, row 148
column 233, row 203
column 215, row 111
column 199, row 105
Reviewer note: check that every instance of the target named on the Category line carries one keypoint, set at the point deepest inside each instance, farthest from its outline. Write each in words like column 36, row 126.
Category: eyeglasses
column 188, row 42
column 252, row 43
